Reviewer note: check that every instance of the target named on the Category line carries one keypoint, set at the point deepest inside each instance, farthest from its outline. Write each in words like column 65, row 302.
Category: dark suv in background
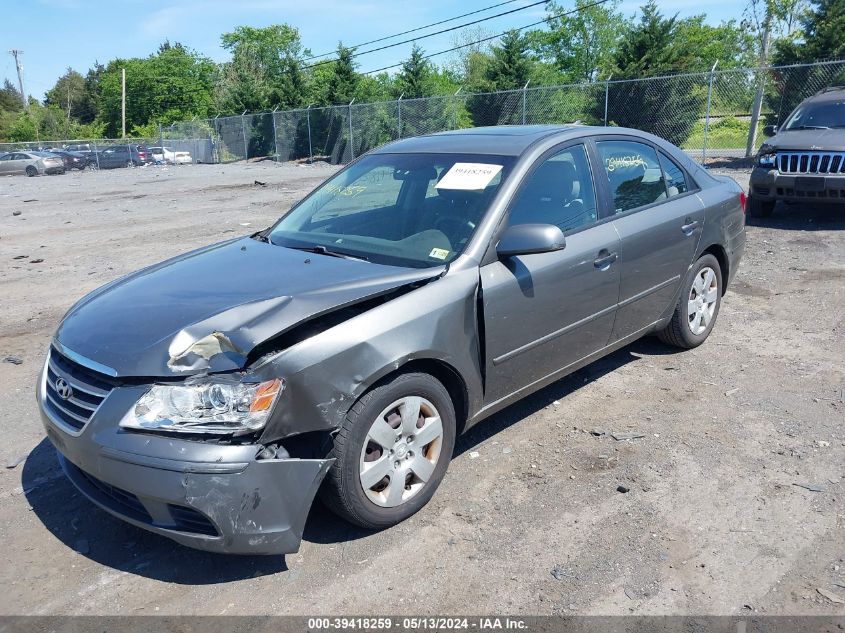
column 804, row 161
column 123, row 156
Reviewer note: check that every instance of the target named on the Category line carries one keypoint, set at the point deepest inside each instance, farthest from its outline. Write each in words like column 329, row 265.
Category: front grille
column 124, row 503
column 88, row 388
column 811, row 162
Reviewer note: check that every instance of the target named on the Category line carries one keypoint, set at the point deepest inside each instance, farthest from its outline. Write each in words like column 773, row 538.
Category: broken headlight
column 219, row 407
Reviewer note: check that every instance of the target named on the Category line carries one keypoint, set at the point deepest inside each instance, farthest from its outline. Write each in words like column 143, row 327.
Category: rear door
column 546, row 311
column 659, row 220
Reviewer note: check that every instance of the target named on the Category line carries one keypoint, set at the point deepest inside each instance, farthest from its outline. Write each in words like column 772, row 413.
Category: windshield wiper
column 322, row 250
column 809, row 127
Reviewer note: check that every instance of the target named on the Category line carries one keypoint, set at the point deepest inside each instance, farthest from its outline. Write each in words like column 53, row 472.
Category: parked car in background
column 170, row 156
column 72, row 160
column 423, row 288
column 122, row 156
column 31, row 163
column 804, row 160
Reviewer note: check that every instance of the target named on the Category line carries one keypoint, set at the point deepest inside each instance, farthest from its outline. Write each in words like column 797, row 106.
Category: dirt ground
column 529, row 519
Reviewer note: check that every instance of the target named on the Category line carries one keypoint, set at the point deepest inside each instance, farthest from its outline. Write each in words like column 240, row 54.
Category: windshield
column 417, row 210
column 813, row 116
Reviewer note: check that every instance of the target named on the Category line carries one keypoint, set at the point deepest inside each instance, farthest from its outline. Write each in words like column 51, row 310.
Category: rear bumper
column 770, row 184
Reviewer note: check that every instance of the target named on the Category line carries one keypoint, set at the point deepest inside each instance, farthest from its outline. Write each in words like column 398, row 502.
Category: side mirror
column 770, row 130
column 525, row 239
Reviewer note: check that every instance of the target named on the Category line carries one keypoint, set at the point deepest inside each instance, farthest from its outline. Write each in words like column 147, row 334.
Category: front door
column 546, row 311
column 659, row 220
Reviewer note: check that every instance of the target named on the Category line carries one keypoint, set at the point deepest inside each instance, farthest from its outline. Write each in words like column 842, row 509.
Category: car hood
column 807, row 140
column 206, row 310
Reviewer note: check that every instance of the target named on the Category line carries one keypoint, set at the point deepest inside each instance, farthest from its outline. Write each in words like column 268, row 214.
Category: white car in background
column 170, row 156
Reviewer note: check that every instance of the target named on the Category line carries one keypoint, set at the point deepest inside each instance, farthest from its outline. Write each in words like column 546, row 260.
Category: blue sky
column 89, row 30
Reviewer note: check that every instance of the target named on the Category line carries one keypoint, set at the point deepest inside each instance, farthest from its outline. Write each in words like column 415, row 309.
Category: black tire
column 130, row 163
column 343, row 492
column 31, row 170
column 760, row 208
column 679, row 331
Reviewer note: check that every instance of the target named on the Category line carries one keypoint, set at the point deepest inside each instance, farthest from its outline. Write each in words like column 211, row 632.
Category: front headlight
column 212, row 406
column 767, row 160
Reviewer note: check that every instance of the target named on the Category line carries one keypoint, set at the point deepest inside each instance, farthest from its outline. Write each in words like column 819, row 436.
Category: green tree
column 508, row 68
column 343, row 80
column 822, row 31
column 10, row 98
column 67, row 94
column 668, row 107
column 727, row 42
column 174, row 84
column 264, row 72
column 413, row 79
column 580, row 45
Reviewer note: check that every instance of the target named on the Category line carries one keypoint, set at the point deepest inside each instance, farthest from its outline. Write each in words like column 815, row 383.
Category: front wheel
column 31, row 171
column 391, row 451
column 698, row 306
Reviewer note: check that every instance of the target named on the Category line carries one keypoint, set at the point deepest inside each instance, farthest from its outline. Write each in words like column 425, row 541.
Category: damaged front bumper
column 206, row 495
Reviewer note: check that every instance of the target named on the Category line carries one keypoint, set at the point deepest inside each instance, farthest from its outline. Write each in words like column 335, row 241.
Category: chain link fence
column 714, row 114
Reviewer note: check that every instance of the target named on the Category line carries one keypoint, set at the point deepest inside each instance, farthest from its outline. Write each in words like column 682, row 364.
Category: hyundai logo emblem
column 63, row 389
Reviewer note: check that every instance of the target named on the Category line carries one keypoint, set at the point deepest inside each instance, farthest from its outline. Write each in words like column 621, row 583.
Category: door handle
column 605, row 259
column 690, row 226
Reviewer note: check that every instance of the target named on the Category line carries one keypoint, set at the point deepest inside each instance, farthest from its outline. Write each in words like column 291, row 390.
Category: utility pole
column 751, row 145
column 15, row 52
column 123, row 102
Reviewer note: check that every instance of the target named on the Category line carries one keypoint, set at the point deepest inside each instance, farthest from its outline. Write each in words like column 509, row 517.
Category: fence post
column 399, row 107
column 243, row 132
column 275, row 135
column 351, row 146
column 215, row 150
column 308, row 117
column 97, row 155
column 524, row 93
column 707, row 116
column 755, row 113
column 455, row 108
column 606, row 96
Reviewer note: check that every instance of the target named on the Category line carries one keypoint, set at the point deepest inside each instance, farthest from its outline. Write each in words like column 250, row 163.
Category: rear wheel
column 698, row 306
column 760, row 208
column 31, row 170
column 392, row 451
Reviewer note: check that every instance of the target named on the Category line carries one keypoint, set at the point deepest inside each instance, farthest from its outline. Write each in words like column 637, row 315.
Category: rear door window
column 633, row 172
column 676, row 180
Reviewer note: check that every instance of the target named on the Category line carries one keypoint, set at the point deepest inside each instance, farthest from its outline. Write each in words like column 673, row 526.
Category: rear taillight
column 743, row 199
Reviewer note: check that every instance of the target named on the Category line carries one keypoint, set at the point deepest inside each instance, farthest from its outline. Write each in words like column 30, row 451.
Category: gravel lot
column 529, row 519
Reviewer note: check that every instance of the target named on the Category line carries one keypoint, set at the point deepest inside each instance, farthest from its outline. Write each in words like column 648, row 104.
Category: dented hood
column 206, row 310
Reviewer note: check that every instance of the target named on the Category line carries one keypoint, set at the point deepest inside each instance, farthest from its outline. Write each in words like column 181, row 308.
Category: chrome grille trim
column 811, row 162
column 90, row 389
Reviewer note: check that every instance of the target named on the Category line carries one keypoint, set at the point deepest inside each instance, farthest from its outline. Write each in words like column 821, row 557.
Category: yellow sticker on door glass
column 468, row 176
column 438, row 253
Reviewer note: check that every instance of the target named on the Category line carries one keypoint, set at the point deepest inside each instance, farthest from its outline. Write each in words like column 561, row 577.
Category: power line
column 440, row 32
column 493, row 37
column 419, row 28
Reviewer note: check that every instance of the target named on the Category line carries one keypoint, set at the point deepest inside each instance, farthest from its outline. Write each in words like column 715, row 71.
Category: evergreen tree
column 10, row 98
column 667, row 107
column 414, row 77
column 509, row 68
column 343, row 82
column 823, row 29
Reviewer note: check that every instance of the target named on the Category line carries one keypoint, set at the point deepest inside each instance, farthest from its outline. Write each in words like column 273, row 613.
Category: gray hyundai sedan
column 421, row 289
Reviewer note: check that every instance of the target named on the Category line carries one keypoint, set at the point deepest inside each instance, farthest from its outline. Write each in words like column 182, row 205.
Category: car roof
column 834, row 93
column 503, row 140
column 500, row 140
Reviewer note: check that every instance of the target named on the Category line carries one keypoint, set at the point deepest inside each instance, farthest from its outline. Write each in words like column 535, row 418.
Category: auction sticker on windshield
column 468, row 176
